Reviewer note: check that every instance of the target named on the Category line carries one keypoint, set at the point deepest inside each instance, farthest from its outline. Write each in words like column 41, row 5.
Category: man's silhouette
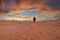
column 34, row 19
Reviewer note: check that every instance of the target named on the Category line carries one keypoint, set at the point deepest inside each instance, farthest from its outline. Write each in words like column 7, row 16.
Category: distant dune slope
column 28, row 30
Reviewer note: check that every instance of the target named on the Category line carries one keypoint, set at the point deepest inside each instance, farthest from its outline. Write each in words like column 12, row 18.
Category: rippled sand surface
column 27, row 30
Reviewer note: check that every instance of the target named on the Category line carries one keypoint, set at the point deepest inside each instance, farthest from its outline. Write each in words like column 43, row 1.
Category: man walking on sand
column 34, row 19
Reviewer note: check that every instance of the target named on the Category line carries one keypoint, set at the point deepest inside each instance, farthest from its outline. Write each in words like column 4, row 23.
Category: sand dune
column 28, row 30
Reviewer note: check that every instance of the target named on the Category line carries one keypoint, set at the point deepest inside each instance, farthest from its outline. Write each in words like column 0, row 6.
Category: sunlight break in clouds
column 45, row 7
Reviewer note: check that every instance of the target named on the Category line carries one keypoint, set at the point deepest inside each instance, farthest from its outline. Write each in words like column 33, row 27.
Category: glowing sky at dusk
column 26, row 9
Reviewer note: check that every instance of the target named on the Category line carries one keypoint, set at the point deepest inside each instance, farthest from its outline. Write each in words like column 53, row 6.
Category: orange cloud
column 42, row 6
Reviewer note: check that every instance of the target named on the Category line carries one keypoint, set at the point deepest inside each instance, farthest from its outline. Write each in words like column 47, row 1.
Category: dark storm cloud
column 42, row 5
column 6, row 4
column 55, row 4
column 36, row 1
column 0, row 2
column 1, row 10
column 18, row 1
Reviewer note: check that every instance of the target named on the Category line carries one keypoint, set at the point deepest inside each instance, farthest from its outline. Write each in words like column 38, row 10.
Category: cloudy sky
column 26, row 9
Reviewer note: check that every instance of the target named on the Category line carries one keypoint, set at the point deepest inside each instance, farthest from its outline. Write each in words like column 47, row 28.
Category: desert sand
column 28, row 30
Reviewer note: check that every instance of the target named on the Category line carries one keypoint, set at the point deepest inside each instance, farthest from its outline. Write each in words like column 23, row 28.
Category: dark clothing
column 34, row 19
